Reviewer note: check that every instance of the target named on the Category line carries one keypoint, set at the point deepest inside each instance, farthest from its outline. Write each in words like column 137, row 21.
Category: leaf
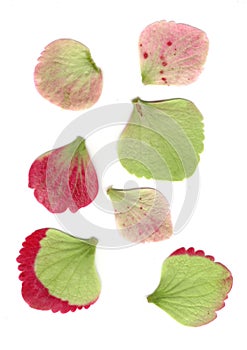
column 142, row 215
column 64, row 178
column 192, row 287
column 162, row 140
column 67, row 76
column 171, row 53
column 58, row 271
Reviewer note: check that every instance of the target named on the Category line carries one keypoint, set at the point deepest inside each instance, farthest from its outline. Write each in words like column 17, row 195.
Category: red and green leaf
column 171, row 53
column 58, row 271
column 64, row 178
column 192, row 287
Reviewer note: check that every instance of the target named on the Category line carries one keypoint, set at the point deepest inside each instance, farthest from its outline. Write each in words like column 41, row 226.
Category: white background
column 122, row 318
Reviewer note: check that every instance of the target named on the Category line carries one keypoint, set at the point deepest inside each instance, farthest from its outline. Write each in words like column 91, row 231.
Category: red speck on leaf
column 164, row 63
column 179, row 251
column 145, row 55
column 33, row 291
column 162, row 57
column 164, row 79
column 169, row 43
column 191, row 251
column 140, row 45
column 210, row 257
column 161, row 71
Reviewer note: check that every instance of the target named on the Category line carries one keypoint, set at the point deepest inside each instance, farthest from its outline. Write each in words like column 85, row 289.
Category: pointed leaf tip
column 162, row 140
column 64, row 178
column 142, row 215
column 172, row 53
column 49, row 250
column 192, row 287
column 67, row 76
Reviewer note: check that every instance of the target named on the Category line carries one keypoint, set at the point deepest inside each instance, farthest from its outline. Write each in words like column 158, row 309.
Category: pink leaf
column 64, row 178
column 142, row 215
column 171, row 53
column 67, row 76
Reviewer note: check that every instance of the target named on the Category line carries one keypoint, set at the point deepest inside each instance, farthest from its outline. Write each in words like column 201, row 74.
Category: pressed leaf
column 64, row 178
column 192, row 287
column 58, row 271
column 171, row 53
column 142, row 215
column 67, row 76
column 162, row 140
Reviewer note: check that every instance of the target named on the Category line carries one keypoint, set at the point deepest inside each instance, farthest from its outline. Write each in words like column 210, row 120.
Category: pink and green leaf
column 192, row 287
column 67, row 76
column 172, row 53
column 142, row 215
column 58, row 271
column 64, row 178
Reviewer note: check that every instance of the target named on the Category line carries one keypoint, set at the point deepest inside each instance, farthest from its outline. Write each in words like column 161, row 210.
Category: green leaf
column 192, row 287
column 162, row 140
column 142, row 214
column 67, row 76
column 65, row 266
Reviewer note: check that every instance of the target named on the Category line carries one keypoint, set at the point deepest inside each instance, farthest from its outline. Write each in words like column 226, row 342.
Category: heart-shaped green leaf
column 162, row 140
column 192, row 287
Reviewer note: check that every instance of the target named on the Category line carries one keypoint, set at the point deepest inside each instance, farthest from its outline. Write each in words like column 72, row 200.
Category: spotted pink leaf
column 54, row 245
column 67, row 76
column 171, row 53
column 64, row 178
column 142, row 214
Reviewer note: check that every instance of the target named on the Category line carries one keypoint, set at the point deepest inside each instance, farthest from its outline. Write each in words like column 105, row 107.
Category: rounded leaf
column 58, row 271
column 67, row 76
column 171, row 53
column 64, row 178
column 192, row 287
column 142, row 214
column 162, row 140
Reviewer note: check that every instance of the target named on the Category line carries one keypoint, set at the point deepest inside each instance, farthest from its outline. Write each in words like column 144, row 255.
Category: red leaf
column 64, row 178
column 33, row 292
